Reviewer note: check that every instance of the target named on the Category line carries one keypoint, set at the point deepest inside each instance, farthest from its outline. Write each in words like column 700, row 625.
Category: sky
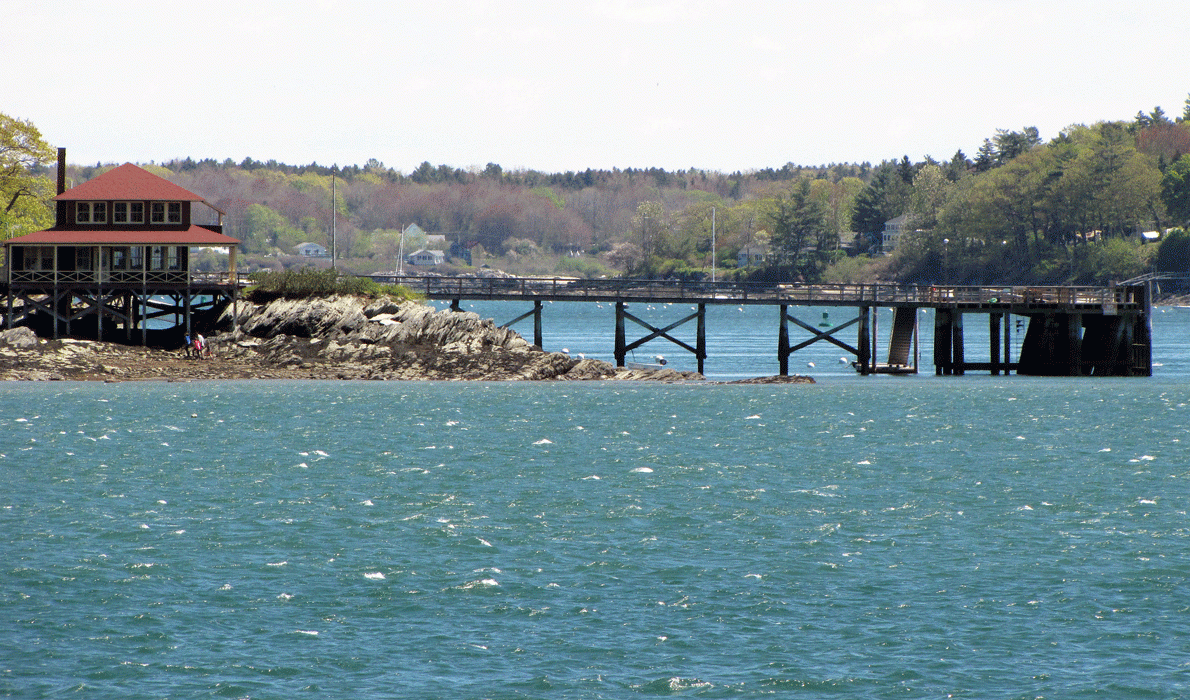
column 557, row 85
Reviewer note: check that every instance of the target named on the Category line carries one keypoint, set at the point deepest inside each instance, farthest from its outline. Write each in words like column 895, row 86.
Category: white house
column 893, row 228
column 426, row 257
column 752, row 254
column 310, row 250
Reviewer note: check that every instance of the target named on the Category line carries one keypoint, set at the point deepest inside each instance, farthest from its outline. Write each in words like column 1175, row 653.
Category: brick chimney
column 61, row 170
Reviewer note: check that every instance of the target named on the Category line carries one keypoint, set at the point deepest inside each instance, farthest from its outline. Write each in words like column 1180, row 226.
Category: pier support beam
column 864, row 356
column 623, row 347
column 958, row 355
column 943, row 329
column 784, row 350
column 536, row 314
column 994, row 322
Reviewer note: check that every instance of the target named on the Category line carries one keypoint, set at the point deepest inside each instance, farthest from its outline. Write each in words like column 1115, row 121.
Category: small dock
column 1070, row 331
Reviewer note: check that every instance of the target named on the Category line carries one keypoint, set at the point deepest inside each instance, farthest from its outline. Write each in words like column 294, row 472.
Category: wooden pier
column 1071, row 331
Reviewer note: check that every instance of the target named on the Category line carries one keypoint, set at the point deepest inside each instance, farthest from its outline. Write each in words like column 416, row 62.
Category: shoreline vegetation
column 1096, row 202
column 341, row 337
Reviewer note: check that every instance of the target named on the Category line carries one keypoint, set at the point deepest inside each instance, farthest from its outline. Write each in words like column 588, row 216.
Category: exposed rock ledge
column 336, row 338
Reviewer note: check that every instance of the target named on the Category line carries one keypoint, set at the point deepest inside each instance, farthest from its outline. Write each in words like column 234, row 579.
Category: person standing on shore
column 187, row 345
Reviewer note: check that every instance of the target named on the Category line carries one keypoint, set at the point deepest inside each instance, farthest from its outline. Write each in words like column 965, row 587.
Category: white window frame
column 129, row 213
column 86, row 212
column 165, row 212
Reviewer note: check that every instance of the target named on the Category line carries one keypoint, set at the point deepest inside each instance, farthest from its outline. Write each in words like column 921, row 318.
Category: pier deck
column 1072, row 330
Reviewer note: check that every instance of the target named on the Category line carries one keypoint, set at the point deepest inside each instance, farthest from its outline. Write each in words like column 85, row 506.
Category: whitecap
column 374, row 576
column 591, row 478
column 544, row 441
column 482, row 583
column 452, row 422
column 320, row 453
column 484, row 542
column 863, row 462
column 1146, row 501
column 285, row 596
column 755, row 576
column 1106, row 449
column 278, row 563
column 367, row 502
column 22, row 420
column 312, row 633
column 642, row 470
column 752, row 418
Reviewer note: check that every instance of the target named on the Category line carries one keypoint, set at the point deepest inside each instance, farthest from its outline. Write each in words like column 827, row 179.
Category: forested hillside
column 1070, row 209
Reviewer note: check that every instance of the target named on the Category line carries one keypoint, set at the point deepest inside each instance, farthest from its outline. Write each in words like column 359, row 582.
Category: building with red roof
column 121, row 242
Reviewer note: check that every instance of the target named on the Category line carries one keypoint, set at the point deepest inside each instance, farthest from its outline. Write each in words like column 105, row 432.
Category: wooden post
column 994, row 341
column 1007, row 341
column 865, row 340
column 916, row 341
column 55, row 305
column 942, row 342
column 620, row 335
column 99, row 313
column 783, row 341
column 958, row 355
column 537, row 335
column 455, row 306
column 700, row 342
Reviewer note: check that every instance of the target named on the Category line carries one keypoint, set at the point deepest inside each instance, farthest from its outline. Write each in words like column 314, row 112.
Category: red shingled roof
column 194, row 236
column 129, row 182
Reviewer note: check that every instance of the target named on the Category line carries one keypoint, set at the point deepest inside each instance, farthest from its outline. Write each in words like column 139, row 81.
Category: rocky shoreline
column 343, row 338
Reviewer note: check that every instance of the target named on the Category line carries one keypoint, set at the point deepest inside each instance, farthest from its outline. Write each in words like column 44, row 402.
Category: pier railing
column 498, row 288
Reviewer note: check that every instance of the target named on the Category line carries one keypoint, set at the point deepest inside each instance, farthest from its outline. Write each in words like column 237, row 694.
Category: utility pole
column 334, row 220
column 712, row 244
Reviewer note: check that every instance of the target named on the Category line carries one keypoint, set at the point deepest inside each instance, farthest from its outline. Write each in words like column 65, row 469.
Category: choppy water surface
column 861, row 538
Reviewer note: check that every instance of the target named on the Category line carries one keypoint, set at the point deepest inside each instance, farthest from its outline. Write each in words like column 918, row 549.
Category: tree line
column 1022, row 210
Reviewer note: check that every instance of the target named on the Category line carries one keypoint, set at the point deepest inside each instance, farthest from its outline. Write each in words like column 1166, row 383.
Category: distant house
column 893, row 228
column 752, row 254
column 310, row 250
column 426, row 257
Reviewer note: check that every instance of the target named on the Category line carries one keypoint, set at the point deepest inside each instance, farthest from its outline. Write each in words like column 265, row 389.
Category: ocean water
column 875, row 537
